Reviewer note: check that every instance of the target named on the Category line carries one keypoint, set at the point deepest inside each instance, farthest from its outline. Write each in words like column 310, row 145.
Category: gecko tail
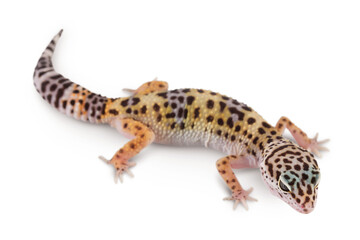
column 65, row 95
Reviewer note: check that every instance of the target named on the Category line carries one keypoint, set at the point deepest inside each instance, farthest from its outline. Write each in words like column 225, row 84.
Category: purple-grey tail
column 63, row 94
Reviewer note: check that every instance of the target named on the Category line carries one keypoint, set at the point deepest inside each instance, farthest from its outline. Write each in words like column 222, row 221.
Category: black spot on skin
column 210, row 104
column 233, row 138
column 247, row 108
column 49, row 98
column 181, row 99
column 287, row 160
column 164, row 95
column 220, row 121
column 200, row 91
column 270, row 168
column 113, row 111
column 237, row 128
column 265, row 124
column 250, row 136
column 94, row 101
column 182, row 125
column 173, row 97
column 174, row 91
column 185, row 113
column 226, row 135
column 251, row 120
column 230, row 122
column 166, row 104
column 143, row 109
column 53, row 87
column 72, row 102
column 255, row 140
column 196, row 112
column 261, row 130
column 261, row 146
column 218, row 132
column 304, row 176
column 156, row 107
column 135, row 101
column 235, row 102
column 222, row 106
column 43, row 85
column 125, row 102
column 173, row 125
column 76, row 91
column 301, row 192
column 173, row 105
column 273, row 132
column 55, row 77
column 128, row 110
column 190, row 100
column 240, row 114
column 186, row 90
column 209, row 118
column 170, row 115
column 158, row 119
column 213, row 93
column 136, row 112
column 306, row 166
column 225, row 98
column 180, row 112
column 64, row 104
column 297, row 167
column 87, row 105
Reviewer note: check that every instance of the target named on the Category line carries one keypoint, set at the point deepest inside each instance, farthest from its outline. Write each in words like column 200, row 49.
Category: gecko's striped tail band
column 65, row 95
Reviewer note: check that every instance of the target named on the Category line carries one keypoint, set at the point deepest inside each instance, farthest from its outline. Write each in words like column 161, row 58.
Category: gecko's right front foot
column 241, row 197
column 121, row 168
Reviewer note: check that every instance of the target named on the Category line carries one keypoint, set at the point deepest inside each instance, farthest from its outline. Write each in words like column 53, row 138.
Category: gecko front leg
column 224, row 166
column 143, row 137
column 311, row 144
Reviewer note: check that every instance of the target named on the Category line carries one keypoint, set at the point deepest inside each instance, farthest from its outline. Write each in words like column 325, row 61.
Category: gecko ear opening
column 284, row 185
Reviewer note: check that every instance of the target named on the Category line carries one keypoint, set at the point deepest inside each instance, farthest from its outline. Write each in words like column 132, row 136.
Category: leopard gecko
column 194, row 117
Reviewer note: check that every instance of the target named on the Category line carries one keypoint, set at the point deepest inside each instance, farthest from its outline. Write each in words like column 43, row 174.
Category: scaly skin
column 194, row 117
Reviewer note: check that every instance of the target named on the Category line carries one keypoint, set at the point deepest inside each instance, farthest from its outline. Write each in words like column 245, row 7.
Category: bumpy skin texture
column 194, row 117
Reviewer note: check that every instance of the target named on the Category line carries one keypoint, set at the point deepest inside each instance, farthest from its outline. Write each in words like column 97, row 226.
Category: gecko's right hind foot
column 121, row 168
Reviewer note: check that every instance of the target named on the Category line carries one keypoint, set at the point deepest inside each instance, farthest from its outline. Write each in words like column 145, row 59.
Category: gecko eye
column 284, row 187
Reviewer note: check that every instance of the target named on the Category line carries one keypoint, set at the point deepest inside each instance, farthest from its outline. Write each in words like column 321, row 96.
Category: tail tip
column 61, row 31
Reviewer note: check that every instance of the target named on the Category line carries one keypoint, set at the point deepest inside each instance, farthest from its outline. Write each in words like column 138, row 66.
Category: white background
column 294, row 58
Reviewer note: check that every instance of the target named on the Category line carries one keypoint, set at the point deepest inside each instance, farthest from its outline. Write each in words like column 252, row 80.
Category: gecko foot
column 315, row 145
column 241, row 197
column 120, row 170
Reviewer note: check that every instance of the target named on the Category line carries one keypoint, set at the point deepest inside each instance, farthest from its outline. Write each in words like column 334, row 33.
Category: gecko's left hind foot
column 315, row 146
column 120, row 169
column 241, row 197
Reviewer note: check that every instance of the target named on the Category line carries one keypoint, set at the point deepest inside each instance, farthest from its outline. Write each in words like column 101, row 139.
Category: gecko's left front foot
column 241, row 197
column 315, row 145
column 120, row 169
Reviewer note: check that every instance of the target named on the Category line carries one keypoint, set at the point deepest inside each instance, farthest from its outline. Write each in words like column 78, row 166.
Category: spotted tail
column 66, row 96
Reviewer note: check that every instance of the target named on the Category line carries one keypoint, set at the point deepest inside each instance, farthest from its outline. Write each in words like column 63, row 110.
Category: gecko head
column 292, row 174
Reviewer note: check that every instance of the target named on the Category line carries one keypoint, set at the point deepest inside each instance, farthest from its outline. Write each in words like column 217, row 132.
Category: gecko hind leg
column 311, row 144
column 149, row 87
column 239, row 195
column 143, row 137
